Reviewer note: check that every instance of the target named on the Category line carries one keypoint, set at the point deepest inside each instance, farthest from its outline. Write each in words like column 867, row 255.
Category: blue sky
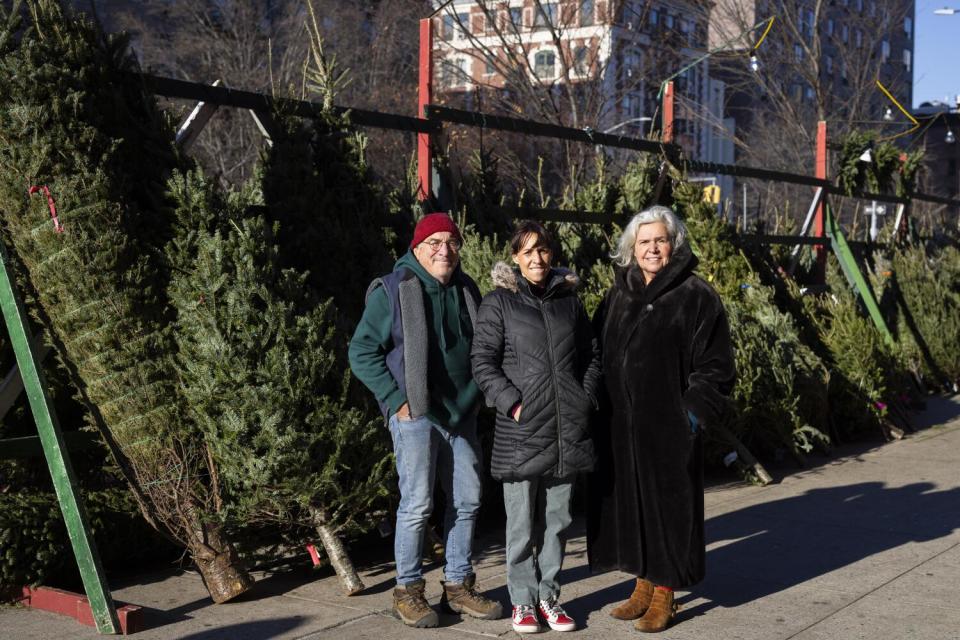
column 936, row 47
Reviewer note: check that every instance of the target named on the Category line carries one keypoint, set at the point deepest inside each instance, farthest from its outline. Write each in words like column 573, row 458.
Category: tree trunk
column 219, row 566
column 336, row 553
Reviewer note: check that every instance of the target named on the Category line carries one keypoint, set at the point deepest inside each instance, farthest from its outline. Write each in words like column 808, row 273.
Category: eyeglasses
column 452, row 244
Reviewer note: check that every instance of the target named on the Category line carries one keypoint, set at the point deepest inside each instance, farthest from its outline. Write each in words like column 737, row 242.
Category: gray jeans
column 538, row 515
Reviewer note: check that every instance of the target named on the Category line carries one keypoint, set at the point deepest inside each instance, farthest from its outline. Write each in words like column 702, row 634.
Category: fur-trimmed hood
column 508, row 277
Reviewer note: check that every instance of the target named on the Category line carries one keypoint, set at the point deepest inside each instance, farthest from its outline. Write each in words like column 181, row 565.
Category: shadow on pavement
column 254, row 630
column 771, row 547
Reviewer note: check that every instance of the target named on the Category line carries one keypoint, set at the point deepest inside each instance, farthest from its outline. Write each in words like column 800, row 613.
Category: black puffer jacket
column 540, row 352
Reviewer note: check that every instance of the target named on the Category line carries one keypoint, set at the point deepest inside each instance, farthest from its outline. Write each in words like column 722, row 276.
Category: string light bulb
column 950, row 138
column 888, row 114
column 754, row 63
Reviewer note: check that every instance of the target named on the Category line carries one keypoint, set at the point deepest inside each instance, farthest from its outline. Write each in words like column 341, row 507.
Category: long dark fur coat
column 666, row 351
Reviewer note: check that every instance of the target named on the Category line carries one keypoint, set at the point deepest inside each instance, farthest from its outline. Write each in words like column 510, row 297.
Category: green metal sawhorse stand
column 55, row 450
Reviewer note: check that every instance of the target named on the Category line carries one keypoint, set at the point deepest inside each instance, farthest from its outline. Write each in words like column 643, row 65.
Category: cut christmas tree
column 73, row 120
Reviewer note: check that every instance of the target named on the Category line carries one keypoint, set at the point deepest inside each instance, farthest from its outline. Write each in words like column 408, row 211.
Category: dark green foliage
column 332, row 218
column 864, row 369
column 34, row 547
column 777, row 374
column 890, row 170
column 99, row 282
column 926, row 287
column 262, row 377
column 72, row 118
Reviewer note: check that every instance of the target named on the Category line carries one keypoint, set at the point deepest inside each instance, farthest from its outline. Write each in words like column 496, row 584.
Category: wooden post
column 425, row 97
column 190, row 130
column 820, row 221
column 667, row 134
column 55, row 451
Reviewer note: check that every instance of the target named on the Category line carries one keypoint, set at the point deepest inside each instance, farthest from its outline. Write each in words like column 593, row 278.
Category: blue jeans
column 425, row 450
column 538, row 516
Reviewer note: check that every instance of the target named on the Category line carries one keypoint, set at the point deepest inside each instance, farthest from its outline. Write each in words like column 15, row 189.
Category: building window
column 631, row 63
column 631, row 14
column 809, row 93
column 829, row 26
column 447, row 29
column 546, row 16
column 545, row 65
column 653, row 18
column 845, row 33
column 828, row 65
column 884, row 51
column 453, row 72
column 516, row 17
column 490, row 66
column 858, row 37
column 668, row 21
column 463, row 26
column 908, row 26
column 581, row 61
column 797, row 52
column 907, row 59
column 873, row 9
column 632, row 105
column 586, row 13
column 859, row 5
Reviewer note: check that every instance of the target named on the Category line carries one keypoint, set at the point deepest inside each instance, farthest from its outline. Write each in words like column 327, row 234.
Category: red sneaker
column 556, row 617
column 525, row 619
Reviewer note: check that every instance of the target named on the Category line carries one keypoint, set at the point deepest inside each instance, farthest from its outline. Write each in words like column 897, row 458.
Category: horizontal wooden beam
column 543, row 129
column 173, row 88
column 77, row 606
column 589, row 136
column 434, row 115
column 31, row 447
column 769, row 239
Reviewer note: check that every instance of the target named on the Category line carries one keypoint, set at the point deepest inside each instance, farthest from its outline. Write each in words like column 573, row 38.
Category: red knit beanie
column 433, row 223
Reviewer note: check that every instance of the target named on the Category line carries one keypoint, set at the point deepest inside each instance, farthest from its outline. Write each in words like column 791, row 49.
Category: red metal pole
column 667, row 134
column 424, row 97
column 820, row 221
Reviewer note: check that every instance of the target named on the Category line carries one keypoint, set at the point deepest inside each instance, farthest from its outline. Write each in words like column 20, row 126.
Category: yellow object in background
column 711, row 194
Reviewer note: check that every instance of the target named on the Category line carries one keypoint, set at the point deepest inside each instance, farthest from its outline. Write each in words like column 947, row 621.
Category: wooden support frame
column 668, row 102
column 424, row 98
column 819, row 221
column 12, row 385
column 199, row 117
column 104, row 612
column 804, row 230
column 854, row 276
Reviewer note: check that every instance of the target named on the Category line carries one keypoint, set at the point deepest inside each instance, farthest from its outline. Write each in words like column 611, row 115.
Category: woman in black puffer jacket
column 536, row 360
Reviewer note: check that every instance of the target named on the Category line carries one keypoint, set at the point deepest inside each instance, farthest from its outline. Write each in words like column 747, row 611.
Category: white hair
column 677, row 231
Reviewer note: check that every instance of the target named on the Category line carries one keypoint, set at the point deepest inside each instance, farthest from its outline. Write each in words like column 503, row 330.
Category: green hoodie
column 454, row 396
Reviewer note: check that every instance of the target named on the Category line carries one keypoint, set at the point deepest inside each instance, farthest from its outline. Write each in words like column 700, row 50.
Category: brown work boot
column 636, row 605
column 661, row 611
column 463, row 598
column 412, row 607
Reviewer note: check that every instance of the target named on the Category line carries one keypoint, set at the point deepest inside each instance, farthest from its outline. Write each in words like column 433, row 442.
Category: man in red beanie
column 412, row 350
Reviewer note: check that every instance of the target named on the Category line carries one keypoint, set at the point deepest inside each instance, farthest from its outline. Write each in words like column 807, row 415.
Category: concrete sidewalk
column 865, row 545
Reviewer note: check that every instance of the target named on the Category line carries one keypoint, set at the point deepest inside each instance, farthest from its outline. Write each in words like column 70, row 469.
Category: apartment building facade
column 618, row 52
column 823, row 57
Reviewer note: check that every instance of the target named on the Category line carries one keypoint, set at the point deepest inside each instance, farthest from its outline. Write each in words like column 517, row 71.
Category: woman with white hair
column 668, row 368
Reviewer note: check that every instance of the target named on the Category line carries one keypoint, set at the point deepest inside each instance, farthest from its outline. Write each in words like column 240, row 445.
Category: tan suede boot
column 410, row 605
column 637, row 604
column 463, row 598
column 661, row 611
